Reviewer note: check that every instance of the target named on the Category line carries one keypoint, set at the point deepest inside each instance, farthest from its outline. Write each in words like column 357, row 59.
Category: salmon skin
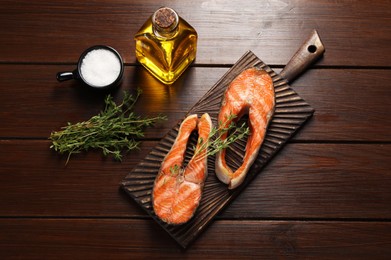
column 252, row 93
column 177, row 190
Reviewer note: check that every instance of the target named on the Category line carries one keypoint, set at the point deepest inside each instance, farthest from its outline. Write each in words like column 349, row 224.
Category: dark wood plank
column 35, row 100
column 321, row 181
column 273, row 29
column 350, row 104
column 37, row 182
column 302, row 181
column 141, row 239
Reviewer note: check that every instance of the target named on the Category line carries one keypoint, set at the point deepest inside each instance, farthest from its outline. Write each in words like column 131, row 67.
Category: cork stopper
column 165, row 20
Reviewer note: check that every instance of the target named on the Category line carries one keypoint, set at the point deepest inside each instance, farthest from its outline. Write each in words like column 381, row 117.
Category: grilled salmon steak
column 177, row 189
column 252, row 93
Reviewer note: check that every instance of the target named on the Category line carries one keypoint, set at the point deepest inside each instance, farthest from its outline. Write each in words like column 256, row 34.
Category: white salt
column 100, row 67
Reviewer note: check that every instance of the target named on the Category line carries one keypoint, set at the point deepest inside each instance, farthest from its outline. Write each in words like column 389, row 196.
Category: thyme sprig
column 113, row 130
column 215, row 141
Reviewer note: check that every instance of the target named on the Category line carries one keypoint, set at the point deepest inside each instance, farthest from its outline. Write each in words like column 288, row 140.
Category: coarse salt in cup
column 99, row 67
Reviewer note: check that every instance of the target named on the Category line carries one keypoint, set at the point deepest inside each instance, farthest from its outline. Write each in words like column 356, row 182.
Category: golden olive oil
column 166, row 45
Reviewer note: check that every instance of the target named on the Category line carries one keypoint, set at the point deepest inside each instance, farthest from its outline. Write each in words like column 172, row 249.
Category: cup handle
column 66, row 75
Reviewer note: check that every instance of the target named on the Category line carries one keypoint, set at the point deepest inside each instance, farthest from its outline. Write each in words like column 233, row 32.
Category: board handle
column 311, row 50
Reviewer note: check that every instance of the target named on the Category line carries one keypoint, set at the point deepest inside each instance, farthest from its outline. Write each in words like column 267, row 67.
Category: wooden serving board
column 290, row 114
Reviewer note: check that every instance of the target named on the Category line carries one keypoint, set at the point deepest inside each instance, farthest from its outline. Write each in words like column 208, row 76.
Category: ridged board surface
column 290, row 114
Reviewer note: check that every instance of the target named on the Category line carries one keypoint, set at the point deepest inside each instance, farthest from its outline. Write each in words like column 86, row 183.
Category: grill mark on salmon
column 252, row 93
column 177, row 189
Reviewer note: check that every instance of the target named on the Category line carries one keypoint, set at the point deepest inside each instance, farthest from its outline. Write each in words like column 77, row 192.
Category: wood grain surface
column 227, row 239
column 325, row 195
column 352, row 104
column 56, row 31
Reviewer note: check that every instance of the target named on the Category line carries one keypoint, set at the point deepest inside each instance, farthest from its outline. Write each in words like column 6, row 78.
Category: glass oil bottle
column 166, row 45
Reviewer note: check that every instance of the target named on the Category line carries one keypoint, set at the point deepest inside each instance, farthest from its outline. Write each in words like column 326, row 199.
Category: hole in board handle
column 312, row 48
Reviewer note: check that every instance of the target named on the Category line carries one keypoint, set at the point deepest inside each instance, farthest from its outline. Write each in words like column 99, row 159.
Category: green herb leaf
column 113, row 130
column 216, row 142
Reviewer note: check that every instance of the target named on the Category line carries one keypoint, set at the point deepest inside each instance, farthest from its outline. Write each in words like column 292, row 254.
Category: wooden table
column 326, row 194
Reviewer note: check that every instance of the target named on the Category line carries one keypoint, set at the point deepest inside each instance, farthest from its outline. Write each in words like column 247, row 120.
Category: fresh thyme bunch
column 113, row 130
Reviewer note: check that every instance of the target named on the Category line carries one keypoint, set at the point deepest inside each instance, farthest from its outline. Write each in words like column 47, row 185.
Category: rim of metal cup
column 97, row 47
